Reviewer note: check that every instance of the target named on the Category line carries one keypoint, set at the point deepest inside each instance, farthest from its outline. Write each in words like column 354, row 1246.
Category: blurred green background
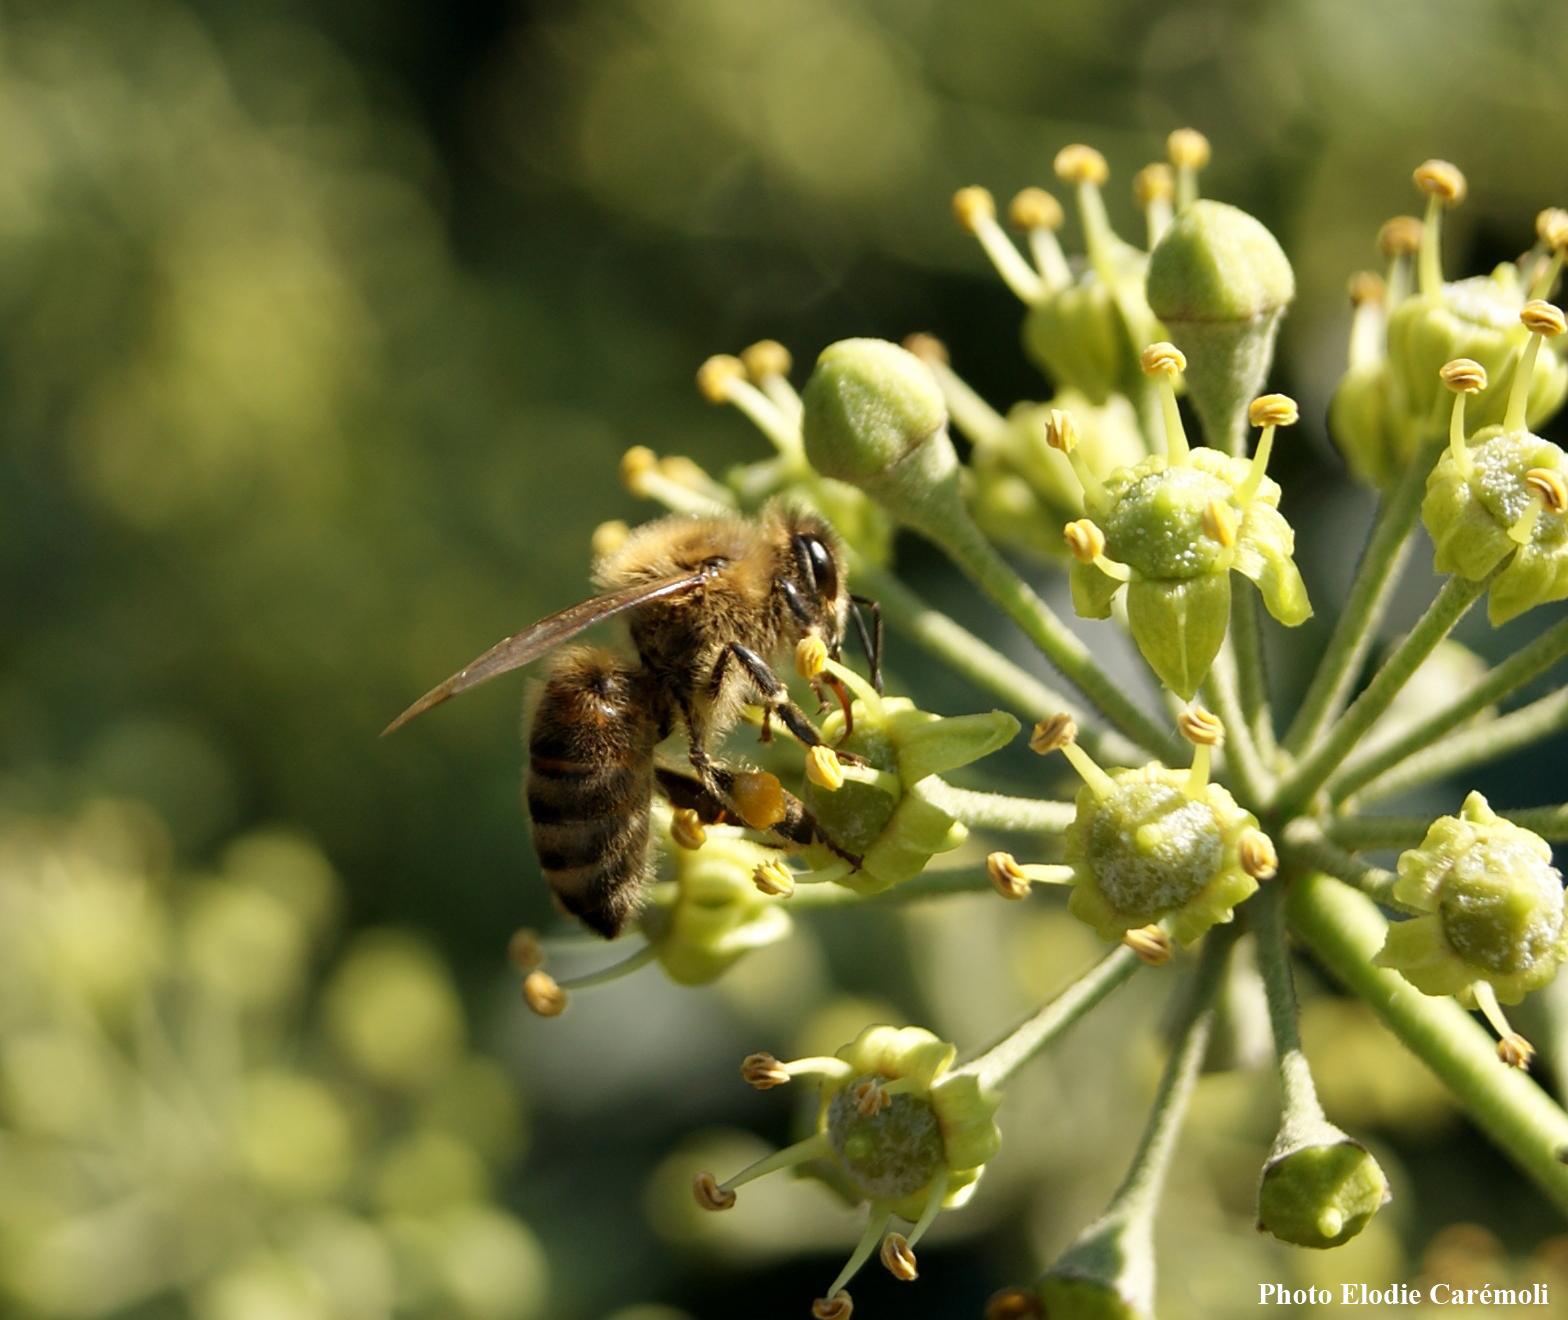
column 322, row 328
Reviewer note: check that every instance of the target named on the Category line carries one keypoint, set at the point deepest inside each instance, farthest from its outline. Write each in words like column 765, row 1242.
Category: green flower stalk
column 1172, row 528
column 1220, row 283
column 1108, row 1271
column 1497, row 498
column 900, row 1129
column 1475, row 318
column 1157, row 845
column 1490, row 926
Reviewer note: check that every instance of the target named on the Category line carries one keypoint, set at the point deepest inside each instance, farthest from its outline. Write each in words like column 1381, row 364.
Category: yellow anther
column 1550, row 486
column 774, row 879
column 524, row 951
column 1257, row 855
column 686, row 829
column 823, row 768
column 1541, row 318
column 1399, row 236
column 685, row 472
column 763, row 1071
column 1007, row 877
column 637, row 463
column 1162, row 358
column 1053, row 734
column 1440, row 179
column 1060, row 431
column 1152, row 945
column 759, row 798
column 898, row 1258
column 928, row 348
column 870, row 1098
column 709, row 1195
column 1367, row 287
column 608, row 537
column 1219, row 522
column 1188, row 149
column 1463, row 376
column 1200, row 727
column 1034, row 208
column 1514, row 1050
column 1551, row 227
column 766, row 358
column 973, row 207
column 718, row 374
column 811, row 656
column 837, row 1307
column 1273, row 410
column 543, row 995
column 1153, row 183
column 1081, row 164
column 1085, row 539
column 1014, row 1304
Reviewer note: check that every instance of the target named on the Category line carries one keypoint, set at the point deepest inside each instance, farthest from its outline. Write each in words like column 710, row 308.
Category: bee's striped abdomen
column 590, row 783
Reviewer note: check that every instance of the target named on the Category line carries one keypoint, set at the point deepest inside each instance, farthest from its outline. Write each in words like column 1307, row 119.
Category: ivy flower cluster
column 1243, row 822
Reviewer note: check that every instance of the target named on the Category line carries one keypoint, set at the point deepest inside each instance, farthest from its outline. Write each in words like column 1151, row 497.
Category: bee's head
column 817, row 591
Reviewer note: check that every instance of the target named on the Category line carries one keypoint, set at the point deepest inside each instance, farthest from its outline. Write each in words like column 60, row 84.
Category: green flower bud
column 1107, row 1274
column 1174, row 526
column 1319, row 1190
column 1366, row 427
column 1086, row 335
column 869, row 405
column 880, row 812
column 1491, row 908
column 1220, row 282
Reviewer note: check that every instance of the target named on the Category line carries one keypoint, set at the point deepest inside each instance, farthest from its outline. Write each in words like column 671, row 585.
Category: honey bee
column 712, row 603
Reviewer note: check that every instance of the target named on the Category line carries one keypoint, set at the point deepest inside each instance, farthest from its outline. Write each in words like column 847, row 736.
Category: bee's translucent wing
column 517, row 650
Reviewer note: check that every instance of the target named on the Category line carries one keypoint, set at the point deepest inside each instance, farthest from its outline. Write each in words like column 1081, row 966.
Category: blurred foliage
column 321, row 329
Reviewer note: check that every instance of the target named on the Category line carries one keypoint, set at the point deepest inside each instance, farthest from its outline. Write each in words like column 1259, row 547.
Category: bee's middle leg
column 775, row 695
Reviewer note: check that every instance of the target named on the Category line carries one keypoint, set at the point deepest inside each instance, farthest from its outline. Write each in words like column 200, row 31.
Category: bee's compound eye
column 824, row 572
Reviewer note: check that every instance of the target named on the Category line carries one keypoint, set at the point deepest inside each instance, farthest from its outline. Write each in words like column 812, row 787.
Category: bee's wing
column 517, row 650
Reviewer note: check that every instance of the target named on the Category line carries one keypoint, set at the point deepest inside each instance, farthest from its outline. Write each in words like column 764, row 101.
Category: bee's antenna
column 870, row 642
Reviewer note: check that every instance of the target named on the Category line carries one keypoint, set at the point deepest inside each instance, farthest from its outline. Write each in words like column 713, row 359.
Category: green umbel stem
column 1539, row 656
column 1302, row 1109
column 1456, row 596
column 1376, row 576
column 997, row 811
column 998, row 1063
column 1305, row 847
column 1345, row 930
column 1247, row 644
column 1252, row 780
column 1461, row 751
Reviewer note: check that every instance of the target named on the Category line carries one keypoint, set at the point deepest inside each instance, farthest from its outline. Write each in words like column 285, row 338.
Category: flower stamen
column 1165, row 361
column 1039, row 215
column 1059, row 733
column 1463, row 376
column 975, row 210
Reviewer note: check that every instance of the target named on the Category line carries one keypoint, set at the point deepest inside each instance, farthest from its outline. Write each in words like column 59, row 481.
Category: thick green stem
column 1345, row 931
column 1370, row 592
column 968, row 548
column 1251, row 675
column 1486, row 742
column 1304, row 846
column 928, row 884
column 983, row 665
column 1000, row 1061
column 998, row 811
column 1456, row 596
column 1539, row 656
column 1358, row 832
